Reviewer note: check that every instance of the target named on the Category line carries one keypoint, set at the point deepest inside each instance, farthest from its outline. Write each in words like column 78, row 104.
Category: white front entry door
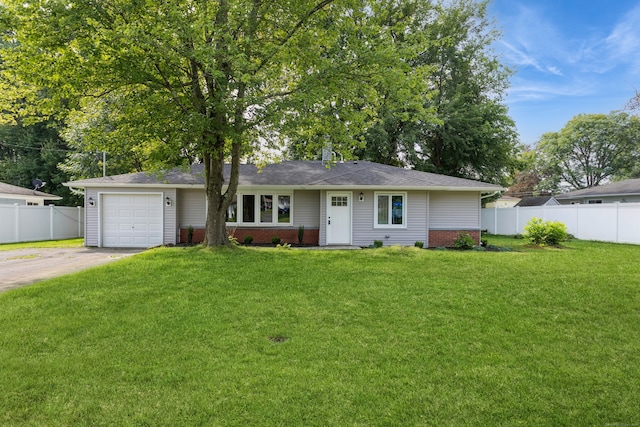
column 131, row 220
column 338, row 219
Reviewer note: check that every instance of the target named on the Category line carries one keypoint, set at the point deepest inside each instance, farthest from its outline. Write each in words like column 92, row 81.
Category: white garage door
column 131, row 220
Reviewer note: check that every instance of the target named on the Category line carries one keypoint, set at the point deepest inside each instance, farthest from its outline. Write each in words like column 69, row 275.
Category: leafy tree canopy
column 206, row 79
column 461, row 127
column 590, row 150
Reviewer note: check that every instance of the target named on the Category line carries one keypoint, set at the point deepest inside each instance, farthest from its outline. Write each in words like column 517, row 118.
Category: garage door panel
column 132, row 220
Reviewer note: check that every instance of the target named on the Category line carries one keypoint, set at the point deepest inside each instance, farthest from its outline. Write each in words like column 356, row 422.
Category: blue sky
column 571, row 57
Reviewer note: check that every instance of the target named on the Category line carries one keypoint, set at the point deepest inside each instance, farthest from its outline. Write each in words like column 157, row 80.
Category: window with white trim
column 390, row 210
column 264, row 208
column 594, row 202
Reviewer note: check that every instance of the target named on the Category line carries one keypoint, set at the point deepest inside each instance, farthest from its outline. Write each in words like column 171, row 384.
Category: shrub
column 190, row 235
column 419, row 244
column 283, row 246
column 464, row 241
column 541, row 233
column 300, row 234
column 248, row 240
column 275, row 240
column 377, row 243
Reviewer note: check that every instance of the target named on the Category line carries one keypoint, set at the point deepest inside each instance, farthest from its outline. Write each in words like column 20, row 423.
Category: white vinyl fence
column 607, row 222
column 20, row 223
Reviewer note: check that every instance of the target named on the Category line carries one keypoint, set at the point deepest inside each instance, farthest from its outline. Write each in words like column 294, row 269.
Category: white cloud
column 623, row 44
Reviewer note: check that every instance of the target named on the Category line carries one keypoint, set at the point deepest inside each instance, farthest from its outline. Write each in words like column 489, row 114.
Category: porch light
column 361, row 198
column 167, row 201
column 91, row 201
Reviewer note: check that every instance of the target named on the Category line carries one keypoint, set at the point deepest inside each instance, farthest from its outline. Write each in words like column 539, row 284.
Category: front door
column 338, row 219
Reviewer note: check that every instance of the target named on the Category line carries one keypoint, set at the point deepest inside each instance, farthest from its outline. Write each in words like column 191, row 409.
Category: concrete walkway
column 22, row 267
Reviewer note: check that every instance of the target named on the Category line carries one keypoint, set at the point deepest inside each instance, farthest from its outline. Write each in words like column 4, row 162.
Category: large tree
column 462, row 127
column 589, row 150
column 33, row 151
column 214, row 78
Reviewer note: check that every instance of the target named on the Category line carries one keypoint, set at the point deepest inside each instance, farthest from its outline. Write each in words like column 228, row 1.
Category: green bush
column 377, row 243
column 541, row 233
column 248, row 240
column 275, row 240
column 464, row 241
column 301, row 234
column 419, row 244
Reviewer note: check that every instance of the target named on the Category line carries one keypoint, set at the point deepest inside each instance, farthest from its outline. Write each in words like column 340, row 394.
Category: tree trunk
column 216, row 229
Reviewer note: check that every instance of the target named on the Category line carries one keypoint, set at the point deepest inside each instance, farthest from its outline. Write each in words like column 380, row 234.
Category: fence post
column 495, row 219
column 617, row 222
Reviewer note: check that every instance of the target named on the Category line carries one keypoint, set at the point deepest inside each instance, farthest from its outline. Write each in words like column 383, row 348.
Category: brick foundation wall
column 260, row 235
column 446, row 238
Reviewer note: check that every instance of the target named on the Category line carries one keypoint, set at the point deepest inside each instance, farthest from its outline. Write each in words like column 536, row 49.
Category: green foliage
column 29, row 151
column 419, row 244
column 189, row 234
column 301, row 234
column 458, row 125
column 464, row 241
column 283, row 246
column 217, row 81
column 590, row 149
column 275, row 240
column 248, row 240
column 377, row 243
column 541, row 233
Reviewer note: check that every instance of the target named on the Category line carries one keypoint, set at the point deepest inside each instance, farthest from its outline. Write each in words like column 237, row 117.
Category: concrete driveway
column 22, row 267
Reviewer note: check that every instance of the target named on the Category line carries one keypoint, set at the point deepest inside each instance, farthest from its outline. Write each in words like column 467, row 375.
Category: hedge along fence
column 607, row 222
column 20, row 223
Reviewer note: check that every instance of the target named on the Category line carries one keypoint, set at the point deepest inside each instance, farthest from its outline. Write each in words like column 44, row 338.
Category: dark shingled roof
column 535, row 201
column 307, row 174
column 20, row 191
column 626, row 187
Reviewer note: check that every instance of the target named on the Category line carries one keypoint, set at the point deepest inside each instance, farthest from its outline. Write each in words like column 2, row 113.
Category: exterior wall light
column 167, row 201
column 361, row 198
column 91, row 201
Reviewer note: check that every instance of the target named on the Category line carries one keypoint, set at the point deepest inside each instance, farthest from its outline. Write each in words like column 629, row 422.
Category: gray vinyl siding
column 192, row 208
column 92, row 213
column 632, row 198
column 453, row 210
column 364, row 232
column 91, row 225
column 322, row 235
column 170, row 217
column 306, row 208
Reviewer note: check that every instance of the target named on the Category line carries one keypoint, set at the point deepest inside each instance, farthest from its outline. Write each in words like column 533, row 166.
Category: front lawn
column 188, row 336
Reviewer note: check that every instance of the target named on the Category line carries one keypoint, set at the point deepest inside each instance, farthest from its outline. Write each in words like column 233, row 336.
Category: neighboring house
column 13, row 195
column 350, row 203
column 503, row 202
column 537, row 201
column 626, row 191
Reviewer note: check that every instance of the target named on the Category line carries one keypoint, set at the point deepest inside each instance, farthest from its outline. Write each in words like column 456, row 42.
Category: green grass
column 67, row 243
column 189, row 336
